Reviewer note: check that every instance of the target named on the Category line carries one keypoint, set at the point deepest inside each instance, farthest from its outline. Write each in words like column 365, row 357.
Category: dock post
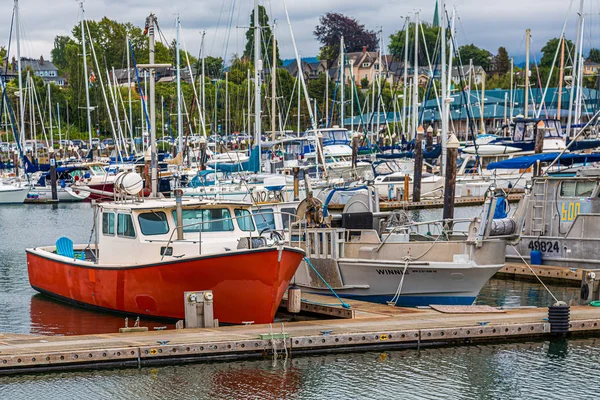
column 539, row 137
column 355, row 139
column 202, row 153
column 450, row 181
column 406, row 194
column 429, row 144
column 53, row 176
column 296, row 171
column 418, row 173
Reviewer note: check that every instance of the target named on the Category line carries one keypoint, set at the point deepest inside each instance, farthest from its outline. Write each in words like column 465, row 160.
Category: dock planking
column 547, row 273
column 372, row 326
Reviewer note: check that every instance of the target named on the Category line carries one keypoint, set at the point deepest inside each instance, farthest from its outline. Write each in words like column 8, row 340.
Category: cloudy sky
column 487, row 23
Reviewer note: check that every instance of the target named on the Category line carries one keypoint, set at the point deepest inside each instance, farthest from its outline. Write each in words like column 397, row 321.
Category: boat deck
column 365, row 326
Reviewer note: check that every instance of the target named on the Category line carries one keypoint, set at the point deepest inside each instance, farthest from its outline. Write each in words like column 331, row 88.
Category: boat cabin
column 146, row 232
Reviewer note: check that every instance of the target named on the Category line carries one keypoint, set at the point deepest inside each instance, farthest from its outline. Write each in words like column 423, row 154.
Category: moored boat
column 141, row 263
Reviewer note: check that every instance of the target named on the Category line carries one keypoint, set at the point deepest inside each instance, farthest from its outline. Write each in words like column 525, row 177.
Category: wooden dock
column 548, row 273
column 465, row 201
column 368, row 327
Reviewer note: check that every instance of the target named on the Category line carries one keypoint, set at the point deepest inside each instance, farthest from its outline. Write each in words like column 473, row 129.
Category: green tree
column 480, row 57
column 501, row 61
column 594, row 56
column 266, row 36
column 3, row 53
column 58, row 53
column 213, row 67
column 549, row 51
column 397, row 41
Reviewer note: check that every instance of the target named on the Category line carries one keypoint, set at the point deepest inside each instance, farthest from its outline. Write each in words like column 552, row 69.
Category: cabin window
column 153, row 223
column 577, row 188
column 209, row 220
column 125, row 226
column 264, row 219
column 288, row 215
column 244, row 220
column 108, row 223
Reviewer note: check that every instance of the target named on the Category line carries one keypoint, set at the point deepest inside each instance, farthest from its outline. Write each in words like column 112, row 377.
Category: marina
column 229, row 223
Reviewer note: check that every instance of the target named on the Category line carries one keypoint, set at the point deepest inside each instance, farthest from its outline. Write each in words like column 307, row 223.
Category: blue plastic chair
column 64, row 247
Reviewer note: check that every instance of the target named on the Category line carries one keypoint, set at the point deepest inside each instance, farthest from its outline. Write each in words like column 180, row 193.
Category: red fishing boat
column 142, row 261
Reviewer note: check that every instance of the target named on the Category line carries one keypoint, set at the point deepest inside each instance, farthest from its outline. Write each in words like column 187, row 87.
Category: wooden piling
column 539, row 137
column 53, row 177
column 406, row 196
column 450, row 179
column 418, row 173
column 429, row 145
column 355, row 140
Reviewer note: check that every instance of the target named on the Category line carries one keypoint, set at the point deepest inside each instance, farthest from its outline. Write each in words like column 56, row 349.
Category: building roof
column 38, row 64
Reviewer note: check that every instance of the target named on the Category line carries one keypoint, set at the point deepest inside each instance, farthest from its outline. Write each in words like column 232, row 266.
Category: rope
column 344, row 305
column 399, row 290
column 534, row 274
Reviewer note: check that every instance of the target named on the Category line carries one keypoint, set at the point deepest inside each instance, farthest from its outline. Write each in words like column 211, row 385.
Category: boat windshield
column 153, row 223
column 97, row 170
column 244, row 220
column 209, row 220
column 265, row 219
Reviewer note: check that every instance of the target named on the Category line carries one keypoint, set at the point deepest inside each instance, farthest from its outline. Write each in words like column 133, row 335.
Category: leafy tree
column 480, row 57
column 58, row 53
column 213, row 66
column 364, row 83
column 397, row 41
column 549, row 50
column 266, row 36
column 3, row 53
column 501, row 61
column 594, row 56
column 332, row 26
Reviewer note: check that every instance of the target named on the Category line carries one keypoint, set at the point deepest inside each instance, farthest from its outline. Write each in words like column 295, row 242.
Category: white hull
column 64, row 194
column 12, row 194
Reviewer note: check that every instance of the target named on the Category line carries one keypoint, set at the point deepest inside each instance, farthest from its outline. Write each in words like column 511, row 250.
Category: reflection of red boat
column 251, row 381
column 49, row 317
column 132, row 276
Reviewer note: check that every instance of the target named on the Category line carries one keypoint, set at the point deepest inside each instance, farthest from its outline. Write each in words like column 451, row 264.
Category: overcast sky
column 487, row 23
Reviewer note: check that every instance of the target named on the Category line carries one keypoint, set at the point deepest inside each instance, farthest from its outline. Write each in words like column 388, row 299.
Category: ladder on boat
column 538, row 217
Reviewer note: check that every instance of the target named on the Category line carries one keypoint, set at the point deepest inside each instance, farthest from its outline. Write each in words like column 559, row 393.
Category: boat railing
column 291, row 217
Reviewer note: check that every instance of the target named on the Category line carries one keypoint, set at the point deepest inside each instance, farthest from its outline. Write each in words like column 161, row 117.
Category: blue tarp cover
column 527, row 161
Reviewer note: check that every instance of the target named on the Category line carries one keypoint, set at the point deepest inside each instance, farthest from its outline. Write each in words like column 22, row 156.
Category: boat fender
column 252, row 243
column 502, row 227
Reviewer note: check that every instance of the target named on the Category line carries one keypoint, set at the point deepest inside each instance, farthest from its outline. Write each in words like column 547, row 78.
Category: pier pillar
column 417, row 175
column 450, row 180
column 53, row 176
column 539, row 137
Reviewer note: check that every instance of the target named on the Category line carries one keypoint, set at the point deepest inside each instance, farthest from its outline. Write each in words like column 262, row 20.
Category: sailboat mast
column 575, row 62
column 20, row 75
column 444, row 86
column 273, row 86
column 202, row 88
column 257, row 82
column 527, row 50
column 85, row 74
column 405, row 96
column 129, row 94
column 561, row 76
column 50, row 118
column 415, row 105
column 153, row 153
column 179, row 113
column 342, row 80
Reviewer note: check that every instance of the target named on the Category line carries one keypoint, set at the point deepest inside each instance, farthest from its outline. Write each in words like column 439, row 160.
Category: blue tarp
column 527, row 161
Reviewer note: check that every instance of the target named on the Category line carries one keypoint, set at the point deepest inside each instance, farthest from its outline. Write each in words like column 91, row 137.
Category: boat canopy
column 527, row 161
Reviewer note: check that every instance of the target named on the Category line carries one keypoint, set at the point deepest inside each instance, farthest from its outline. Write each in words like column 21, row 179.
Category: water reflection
column 534, row 370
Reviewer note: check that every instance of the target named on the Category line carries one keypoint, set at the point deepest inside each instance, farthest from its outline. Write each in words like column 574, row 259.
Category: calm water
column 561, row 370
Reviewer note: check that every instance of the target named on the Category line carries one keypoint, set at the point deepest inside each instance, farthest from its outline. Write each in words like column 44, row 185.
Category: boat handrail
column 290, row 215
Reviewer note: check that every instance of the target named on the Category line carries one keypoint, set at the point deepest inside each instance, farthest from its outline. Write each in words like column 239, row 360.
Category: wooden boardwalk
column 368, row 326
column 547, row 273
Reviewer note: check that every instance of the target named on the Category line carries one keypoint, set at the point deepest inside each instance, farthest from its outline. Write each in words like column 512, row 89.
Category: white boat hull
column 10, row 194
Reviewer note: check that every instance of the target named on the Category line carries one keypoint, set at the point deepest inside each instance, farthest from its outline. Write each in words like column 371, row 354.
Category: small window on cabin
column 209, row 220
column 125, row 226
column 244, row 220
column 153, row 223
column 108, row 223
column 288, row 215
column 577, row 189
column 264, row 219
